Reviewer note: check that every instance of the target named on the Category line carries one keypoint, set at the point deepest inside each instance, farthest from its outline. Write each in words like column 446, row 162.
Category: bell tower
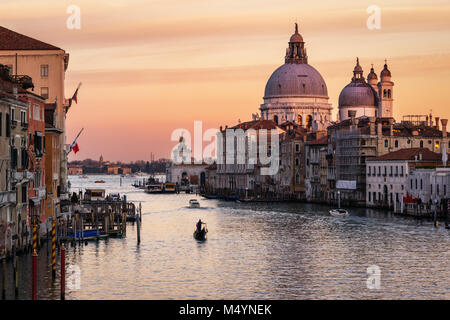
column 385, row 94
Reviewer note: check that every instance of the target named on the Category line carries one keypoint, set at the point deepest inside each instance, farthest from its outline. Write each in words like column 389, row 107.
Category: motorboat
column 339, row 213
column 193, row 203
column 169, row 188
column 100, row 181
column 200, row 235
column 154, row 188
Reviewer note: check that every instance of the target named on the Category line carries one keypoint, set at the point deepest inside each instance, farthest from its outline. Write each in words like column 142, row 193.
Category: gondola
column 200, row 235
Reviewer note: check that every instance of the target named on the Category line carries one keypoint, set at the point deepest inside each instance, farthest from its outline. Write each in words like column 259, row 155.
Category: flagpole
column 75, row 140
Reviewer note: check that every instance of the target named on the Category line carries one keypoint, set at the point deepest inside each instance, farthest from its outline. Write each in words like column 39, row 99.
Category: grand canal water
column 263, row 251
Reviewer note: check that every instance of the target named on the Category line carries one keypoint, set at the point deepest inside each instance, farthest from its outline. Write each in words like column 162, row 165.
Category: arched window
column 389, row 93
column 309, row 122
column 299, row 120
column 421, row 143
column 384, row 93
column 396, row 143
column 275, row 119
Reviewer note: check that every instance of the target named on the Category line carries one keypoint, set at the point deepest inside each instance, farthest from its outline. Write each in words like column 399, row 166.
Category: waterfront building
column 292, row 156
column 36, row 159
column 296, row 91
column 236, row 174
column 366, row 129
column 46, row 65
column 14, row 211
column 185, row 170
column 433, row 184
column 389, row 177
column 316, row 167
column 52, row 163
column 74, row 170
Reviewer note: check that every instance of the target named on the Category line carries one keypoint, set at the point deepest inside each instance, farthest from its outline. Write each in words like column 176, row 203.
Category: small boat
column 339, row 213
column 100, row 181
column 193, row 203
column 154, row 188
column 200, row 235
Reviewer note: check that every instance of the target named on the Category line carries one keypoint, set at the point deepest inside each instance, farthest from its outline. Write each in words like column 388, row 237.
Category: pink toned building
column 36, row 156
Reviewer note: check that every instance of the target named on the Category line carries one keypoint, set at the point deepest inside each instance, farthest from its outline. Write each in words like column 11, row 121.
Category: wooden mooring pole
column 34, row 281
column 138, row 227
column 53, row 249
column 63, row 272
column 4, row 278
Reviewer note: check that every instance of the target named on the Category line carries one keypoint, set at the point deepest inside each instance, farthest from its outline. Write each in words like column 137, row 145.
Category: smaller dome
column 296, row 37
column 358, row 68
column 385, row 72
column 372, row 75
column 358, row 94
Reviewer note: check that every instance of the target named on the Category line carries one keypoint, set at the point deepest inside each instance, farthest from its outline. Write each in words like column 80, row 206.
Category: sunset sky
column 149, row 67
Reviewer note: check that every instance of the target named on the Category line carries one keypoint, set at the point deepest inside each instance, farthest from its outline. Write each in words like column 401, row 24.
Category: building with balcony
column 388, row 180
column 46, row 65
column 36, row 159
column 52, row 163
column 316, row 167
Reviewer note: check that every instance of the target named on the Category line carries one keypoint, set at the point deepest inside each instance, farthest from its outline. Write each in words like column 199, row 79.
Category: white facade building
column 389, row 179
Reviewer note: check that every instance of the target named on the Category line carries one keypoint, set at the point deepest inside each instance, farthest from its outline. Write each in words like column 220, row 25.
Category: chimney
column 352, row 114
column 391, row 126
column 437, row 123
column 372, row 125
column 444, row 127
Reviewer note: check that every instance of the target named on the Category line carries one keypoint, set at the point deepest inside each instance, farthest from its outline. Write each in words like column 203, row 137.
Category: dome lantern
column 296, row 53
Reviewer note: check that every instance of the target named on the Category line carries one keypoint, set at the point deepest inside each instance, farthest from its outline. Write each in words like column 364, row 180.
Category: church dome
column 385, row 72
column 293, row 79
column 296, row 37
column 358, row 94
column 372, row 75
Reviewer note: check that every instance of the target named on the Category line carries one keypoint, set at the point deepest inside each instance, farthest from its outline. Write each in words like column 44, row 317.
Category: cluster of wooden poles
column 34, row 265
column 104, row 217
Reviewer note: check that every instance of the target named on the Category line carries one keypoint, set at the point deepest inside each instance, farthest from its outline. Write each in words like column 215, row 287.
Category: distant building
column 118, row 170
column 75, row 170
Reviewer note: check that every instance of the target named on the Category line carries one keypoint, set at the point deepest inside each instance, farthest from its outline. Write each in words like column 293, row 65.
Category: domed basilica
column 371, row 98
column 296, row 91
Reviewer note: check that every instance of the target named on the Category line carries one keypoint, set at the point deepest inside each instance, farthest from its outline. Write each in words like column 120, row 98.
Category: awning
column 34, row 202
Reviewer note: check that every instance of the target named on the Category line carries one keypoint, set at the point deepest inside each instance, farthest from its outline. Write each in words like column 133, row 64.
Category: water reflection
column 253, row 251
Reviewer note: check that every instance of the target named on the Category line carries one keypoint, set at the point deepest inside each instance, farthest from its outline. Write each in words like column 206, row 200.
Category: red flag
column 75, row 96
column 75, row 148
